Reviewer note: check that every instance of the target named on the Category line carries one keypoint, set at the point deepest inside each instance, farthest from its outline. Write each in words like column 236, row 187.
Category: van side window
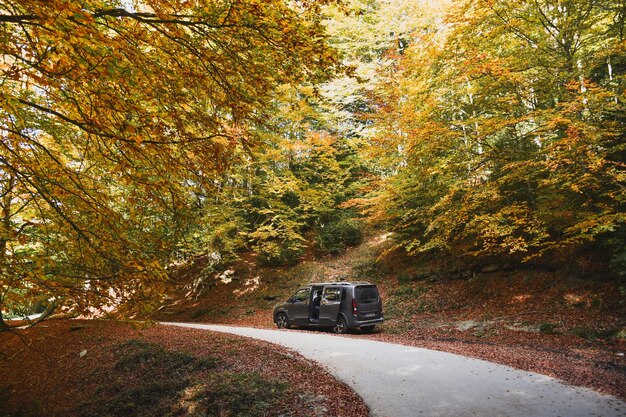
column 301, row 295
column 332, row 294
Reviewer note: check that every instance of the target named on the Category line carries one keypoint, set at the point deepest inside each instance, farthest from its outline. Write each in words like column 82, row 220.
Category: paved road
column 402, row 381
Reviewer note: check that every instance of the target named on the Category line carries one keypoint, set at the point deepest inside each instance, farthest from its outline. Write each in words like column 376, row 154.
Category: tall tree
column 288, row 193
column 511, row 117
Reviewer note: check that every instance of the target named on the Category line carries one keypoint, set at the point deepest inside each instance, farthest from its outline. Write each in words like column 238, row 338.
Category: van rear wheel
column 282, row 322
column 341, row 326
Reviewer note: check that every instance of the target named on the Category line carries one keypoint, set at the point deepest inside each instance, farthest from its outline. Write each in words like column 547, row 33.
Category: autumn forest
column 136, row 135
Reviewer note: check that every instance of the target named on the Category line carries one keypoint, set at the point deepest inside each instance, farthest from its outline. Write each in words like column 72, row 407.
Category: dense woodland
column 140, row 134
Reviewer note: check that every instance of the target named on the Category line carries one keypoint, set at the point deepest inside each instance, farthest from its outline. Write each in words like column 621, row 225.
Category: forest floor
column 562, row 324
column 99, row 368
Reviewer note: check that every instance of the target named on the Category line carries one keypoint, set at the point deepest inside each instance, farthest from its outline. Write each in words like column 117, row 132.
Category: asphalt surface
column 402, row 381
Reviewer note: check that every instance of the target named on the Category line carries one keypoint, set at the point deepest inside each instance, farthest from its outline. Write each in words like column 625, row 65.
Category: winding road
column 402, row 381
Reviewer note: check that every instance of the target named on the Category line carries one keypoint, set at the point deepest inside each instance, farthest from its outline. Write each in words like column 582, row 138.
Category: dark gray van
column 341, row 305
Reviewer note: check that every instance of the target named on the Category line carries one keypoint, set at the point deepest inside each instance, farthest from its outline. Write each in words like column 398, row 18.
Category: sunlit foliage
column 118, row 121
column 506, row 125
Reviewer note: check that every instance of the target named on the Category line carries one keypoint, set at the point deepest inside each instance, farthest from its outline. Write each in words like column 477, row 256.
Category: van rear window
column 366, row 293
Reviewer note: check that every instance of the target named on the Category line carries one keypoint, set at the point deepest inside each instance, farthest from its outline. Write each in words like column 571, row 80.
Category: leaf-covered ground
column 568, row 326
column 97, row 368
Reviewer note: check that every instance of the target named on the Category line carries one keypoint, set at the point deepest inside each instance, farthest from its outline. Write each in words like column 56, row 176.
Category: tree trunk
column 3, row 325
column 6, row 224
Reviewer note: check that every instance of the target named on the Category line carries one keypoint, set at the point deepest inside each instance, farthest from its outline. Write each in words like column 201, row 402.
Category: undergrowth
column 148, row 380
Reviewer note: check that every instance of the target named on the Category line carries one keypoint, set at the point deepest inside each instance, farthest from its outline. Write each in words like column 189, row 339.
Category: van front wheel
column 282, row 322
column 341, row 326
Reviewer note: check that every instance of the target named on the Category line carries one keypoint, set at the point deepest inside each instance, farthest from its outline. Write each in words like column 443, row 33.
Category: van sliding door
column 330, row 305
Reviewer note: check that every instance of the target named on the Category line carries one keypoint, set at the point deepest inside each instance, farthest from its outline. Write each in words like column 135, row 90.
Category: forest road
column 403, row 381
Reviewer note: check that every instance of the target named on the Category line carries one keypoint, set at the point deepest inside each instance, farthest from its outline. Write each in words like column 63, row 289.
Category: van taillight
column 354, row 306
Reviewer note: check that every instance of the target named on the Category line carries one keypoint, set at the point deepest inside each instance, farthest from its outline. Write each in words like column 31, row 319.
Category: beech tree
column 115, row 118
column 287, row 193
column 511, row 121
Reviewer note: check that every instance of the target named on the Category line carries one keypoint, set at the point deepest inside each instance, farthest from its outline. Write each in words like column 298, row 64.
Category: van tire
column 341, row 327
column 282, row 322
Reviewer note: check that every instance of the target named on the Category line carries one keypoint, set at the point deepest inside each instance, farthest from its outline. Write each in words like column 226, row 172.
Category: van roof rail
column 341, row 283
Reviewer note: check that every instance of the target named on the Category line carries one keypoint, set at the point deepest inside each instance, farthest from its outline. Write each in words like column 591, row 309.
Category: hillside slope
column 553, row 322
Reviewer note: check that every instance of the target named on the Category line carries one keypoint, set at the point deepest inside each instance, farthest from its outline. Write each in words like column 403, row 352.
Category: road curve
column 402, row 381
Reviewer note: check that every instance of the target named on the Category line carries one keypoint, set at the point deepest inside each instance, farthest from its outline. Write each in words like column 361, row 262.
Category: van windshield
column 366, row 293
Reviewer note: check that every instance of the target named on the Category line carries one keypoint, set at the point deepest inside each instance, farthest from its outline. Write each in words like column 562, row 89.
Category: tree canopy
column 118, row 121
column 505, row 132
